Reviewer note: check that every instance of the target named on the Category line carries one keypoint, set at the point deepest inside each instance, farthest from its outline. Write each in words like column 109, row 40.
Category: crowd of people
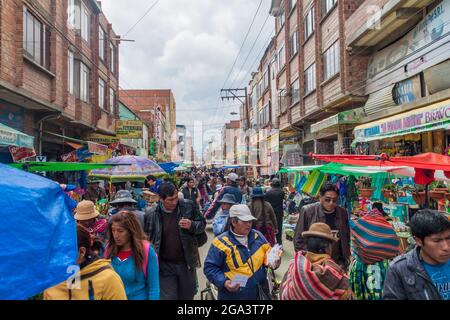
column 151, row 251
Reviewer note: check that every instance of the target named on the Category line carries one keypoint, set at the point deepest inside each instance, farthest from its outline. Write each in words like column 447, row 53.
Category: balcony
column 377, row 23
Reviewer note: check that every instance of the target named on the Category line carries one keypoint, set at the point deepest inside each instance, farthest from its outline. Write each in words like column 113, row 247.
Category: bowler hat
column 257, row 192
column 85, row 210
column 123, row 196
column 319, row 230
column 228, row 198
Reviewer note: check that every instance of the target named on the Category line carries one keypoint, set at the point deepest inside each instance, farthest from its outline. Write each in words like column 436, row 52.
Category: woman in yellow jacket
column 96, row 279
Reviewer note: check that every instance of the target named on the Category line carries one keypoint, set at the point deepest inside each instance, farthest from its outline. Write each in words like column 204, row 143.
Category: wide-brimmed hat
column 257, row 192
column 85, row 210
column 123, row 196
column 320, row 230
column 242, row 212
column 228, row 198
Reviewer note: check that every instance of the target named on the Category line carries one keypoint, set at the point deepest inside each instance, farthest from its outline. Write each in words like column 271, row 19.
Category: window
column 295, row 92
column 260, row 88
column 281, row 57
column 36, row 40
column 112, row 100
column 266, row 79
column 282, row 99
column 71, row 14
column 292, row 4
column 281, row 19
column 112, row 54
column 309, row 23
column 84, row 83
column 85, row 22
column 70, row 74
column 101, row 44
column 294, row 43
column 310, row 78
column 327, row 6
column 331, row 61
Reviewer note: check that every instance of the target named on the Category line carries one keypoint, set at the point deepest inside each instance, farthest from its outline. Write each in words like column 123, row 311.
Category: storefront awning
column 13, row 137
column 430, row 118
column 341, row 118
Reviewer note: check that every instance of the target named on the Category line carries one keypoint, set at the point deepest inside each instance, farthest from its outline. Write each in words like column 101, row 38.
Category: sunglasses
column 328, row 200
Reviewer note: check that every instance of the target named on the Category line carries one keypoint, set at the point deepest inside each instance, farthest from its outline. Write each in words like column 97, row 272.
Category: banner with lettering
column 20, row 153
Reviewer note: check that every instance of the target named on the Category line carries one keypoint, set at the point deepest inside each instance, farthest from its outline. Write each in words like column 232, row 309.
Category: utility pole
column 239, row 94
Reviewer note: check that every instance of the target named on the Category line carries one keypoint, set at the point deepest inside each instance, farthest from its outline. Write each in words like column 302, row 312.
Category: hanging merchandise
column 378, row 183
column 424, row 176
column 314, row 182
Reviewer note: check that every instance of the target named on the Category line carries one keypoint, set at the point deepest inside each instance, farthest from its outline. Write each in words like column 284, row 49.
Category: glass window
column 101, row 43
column 331, row 61
column 295, row 92
column 70, row 73
column 35, row 39
column 112, row 100
column 84, row 82
column 281, row 57
column 327, row 5
column 292, row 3
column 112, row 57
column 294, row 43
column 309, row 23
column 101, row 93
column 85, row 22
column 310, row 78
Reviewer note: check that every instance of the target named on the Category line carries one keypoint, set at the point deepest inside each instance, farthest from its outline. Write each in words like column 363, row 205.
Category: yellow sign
column 129, row 129
column 102, row 138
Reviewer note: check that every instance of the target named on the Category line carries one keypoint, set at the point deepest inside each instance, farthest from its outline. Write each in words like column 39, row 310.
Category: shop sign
column 20, row 153
column 406, row 91
column 97, row 148
column 102, row 138
column 429, row 30
column 423, row 119
column 345, row 117
column 129, row 129
column 69, row 157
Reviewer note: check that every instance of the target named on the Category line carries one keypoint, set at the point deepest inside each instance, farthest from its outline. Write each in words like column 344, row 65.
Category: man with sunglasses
column 337, row 218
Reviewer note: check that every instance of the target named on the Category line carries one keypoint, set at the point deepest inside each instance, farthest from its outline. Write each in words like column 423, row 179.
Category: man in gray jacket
column 424, row 272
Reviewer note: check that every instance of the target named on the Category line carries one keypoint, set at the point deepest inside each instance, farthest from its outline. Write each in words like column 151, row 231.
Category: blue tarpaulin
column 169, row 167
column 38, row 240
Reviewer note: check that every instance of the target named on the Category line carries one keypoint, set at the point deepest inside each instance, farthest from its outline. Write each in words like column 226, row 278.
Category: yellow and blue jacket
column 227, row 257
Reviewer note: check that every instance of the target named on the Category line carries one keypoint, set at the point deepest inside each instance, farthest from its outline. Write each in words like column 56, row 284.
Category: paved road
column 288, row 255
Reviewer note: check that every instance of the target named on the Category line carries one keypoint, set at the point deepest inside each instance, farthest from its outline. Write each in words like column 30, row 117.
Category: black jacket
column 275, row 197
column 406, row 279
column 186, row 209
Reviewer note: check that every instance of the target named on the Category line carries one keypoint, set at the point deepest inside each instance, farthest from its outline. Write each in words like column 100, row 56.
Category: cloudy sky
column 190, row 46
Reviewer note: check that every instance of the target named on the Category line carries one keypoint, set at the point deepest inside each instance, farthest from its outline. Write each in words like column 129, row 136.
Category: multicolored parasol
column 128, row 168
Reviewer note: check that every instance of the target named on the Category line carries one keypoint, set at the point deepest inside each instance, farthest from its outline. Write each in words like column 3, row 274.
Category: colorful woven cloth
column 314, row 277
column 373, row 237
column 367, row 280
column 314, row 183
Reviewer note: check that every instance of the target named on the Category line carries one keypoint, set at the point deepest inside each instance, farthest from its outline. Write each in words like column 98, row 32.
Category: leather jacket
column 187, row 209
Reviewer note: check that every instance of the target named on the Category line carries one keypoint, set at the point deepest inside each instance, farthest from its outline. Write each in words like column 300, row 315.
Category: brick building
column 58, row 71
column 230, row 138
column 158, row 109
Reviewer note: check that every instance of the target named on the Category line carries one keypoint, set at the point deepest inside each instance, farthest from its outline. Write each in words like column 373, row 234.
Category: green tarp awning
column 337, row 168
column 59, row 166
column 13, row 137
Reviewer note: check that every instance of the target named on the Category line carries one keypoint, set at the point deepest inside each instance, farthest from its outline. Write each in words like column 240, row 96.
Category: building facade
column 230, row 137
column 407, row 83
column 140, row 144
column 58, row 71
column 158, row 109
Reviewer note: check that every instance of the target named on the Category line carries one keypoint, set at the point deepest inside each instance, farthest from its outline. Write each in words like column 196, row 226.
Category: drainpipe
column 49, row 117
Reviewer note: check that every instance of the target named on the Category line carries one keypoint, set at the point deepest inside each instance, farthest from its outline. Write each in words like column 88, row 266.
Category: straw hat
column 320, row 230
column 86, row 210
